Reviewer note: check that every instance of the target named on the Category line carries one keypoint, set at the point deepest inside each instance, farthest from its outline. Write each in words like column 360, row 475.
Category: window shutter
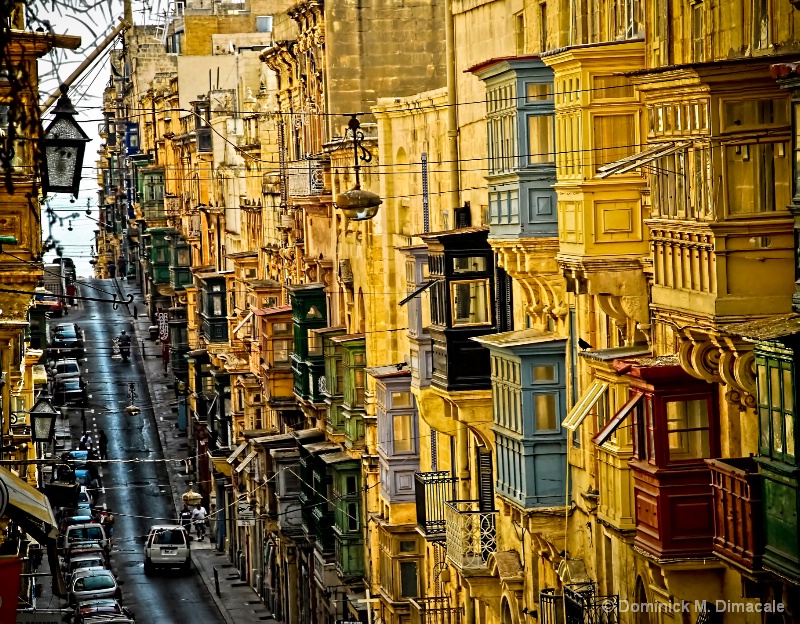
column 503, row 300
column 485, row 480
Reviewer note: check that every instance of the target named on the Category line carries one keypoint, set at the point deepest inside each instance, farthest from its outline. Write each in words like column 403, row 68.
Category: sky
column 92, row 20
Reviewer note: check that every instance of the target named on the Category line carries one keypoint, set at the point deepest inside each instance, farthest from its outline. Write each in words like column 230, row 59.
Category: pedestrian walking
column 122, row 265
column 108, row 525
column 102, row 443
column 86, row 440
column 199, row 520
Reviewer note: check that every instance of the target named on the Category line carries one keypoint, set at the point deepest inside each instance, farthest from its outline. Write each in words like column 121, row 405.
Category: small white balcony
column 470, row 534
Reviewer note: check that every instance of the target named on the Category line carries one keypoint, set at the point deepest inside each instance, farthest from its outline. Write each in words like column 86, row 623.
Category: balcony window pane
column 614, row 138
column 339, row 376
column 314, row 313
column 536, row 92
column 758, row 178
column 401, row 399
column 775, row 387
column 403, row 443
column 281, row 329
column 216, row 306
column 788, row 391
column 408, row 546
column 688, row 430
column 352, row 516
column 763, row 438
column 183, row 257
column 777, row 432
column 545, row 410
column 408, row 579
column 314, row 343
column 469, row 264
column 544, row 373
column 359, row 379
column 541, row 139
column 470, row 302
column 282, row 349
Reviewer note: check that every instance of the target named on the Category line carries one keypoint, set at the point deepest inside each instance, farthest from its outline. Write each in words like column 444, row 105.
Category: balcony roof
column 309, row 435
column 271, row 311
column 275, row 441
column 770, row 328
column 337, row 458
column 457, row 232
column 315, row 448
column 392, row 370
column 347, row 338
column 242, row 254
column 607, row 355
column 517, row 338
column 502, row 59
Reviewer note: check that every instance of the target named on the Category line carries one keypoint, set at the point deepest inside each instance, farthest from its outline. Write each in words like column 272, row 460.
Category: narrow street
column 137, row 492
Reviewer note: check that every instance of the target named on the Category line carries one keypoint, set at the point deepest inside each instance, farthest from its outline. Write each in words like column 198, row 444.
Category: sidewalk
column 238, row 602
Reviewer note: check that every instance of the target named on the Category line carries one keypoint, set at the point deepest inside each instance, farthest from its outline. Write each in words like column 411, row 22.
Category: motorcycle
column 120, row 351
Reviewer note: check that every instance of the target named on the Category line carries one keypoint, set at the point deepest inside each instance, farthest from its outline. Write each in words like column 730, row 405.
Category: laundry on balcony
column 629, row 163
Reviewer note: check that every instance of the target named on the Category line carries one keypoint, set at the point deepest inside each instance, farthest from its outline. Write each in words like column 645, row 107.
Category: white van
column 84, row 533
column 167, row 546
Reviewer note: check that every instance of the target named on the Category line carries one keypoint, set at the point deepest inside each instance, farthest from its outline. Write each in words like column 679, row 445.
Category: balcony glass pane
column 687, row 424
column 545, row 408
column 788, row 391
column 183, row 257
column 469, row 265
column 314, row 343
column 614, row 138
column 789, row 422
column 216, row 306
column 403, row 443
column 282, row 349
column 763, row 438
column 541, row 139
column 401, row 399
column 339, row 376
column 469, row 302
column 544, row 373
column 281, row 329
column 535, row 92
column 777, row 431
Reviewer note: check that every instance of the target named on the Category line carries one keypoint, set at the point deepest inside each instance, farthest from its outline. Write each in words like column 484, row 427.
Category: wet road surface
column 137, row 493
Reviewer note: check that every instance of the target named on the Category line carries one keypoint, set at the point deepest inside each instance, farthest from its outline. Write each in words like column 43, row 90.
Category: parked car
column 71, row 392
column 61, row 327
column 68, row 346
column 84, row 533
column 80, row 549
column 85, row 518
column 167, row 546
column 93, row 584
column 84, row 497
column 76, row 458
column 92, row 610
column 66, row 369
column 84, row 562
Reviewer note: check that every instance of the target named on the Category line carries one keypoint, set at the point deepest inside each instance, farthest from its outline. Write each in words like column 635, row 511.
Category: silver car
column 90, row 584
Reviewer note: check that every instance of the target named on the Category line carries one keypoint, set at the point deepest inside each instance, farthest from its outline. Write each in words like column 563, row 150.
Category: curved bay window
column 777, row 436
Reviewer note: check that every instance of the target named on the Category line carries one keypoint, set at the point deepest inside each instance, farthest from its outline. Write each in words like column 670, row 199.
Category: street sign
column 162, row 318
column 245, row 516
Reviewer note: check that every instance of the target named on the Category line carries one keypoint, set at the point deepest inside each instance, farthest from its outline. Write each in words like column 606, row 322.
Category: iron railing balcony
column 470, row 534
column 434, row 610
column 582, row 605
column 432, row 490
column 307, row 178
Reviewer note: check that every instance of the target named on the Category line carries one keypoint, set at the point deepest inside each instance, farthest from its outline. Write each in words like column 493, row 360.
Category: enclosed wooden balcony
column 432, row 491
column 738, row 525
column 470, row 534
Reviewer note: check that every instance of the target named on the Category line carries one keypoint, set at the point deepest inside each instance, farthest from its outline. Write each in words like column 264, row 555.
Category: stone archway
column 641, row 614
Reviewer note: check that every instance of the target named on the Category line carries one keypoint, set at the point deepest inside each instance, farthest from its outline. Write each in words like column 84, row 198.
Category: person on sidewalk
column 86, row 440
column 108, row 526
column 102, row 443
column 199, row 520
column 186, row 518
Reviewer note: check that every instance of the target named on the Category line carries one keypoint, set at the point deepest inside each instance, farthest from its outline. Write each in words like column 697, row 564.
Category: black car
column 71, row 392
column 67, row 347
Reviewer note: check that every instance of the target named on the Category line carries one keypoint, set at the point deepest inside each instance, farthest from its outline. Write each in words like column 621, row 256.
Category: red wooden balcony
column 738, row 530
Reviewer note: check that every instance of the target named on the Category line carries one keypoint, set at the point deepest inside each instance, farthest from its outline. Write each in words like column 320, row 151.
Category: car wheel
column 148, row 567
column 186, row 568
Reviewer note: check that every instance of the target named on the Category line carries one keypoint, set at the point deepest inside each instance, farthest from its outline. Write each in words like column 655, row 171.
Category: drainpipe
column 453, row 200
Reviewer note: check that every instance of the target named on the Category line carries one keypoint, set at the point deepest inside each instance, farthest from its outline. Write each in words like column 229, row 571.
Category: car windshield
column 169, row 536
column 87, row 563
column 67, row 368
column 71, row 384
column 92, row 583
column 85, row 533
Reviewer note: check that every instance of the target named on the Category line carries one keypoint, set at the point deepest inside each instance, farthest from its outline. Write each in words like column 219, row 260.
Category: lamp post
column 43, row 422
column 64, row 143
column 358, row 204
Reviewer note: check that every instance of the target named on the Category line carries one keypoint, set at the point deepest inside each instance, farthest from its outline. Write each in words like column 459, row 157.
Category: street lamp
column 358, row 204
column 64, row 143
column 43, row 419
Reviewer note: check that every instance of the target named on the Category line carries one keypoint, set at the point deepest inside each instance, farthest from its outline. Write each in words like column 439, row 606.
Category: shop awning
column 244, row 321
column 28, row 507
column 612, row 425
column 582, row 408
column 623, row 165
column 419, row 290
column 232, row 457
column 246, row 461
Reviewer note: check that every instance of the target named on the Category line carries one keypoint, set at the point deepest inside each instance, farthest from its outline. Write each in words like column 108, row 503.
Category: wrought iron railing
column 470, row 533
column 432, row 490
column 583, row 606
column 707, row 614
column 306, row 177
column 551, row 607
column 434, row 610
